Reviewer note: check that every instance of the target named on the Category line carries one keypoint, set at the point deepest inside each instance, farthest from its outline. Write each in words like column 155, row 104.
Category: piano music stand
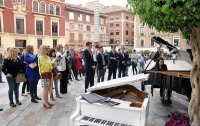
column 143, row 85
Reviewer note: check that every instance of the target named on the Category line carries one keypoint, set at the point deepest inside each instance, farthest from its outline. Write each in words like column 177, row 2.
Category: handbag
column 56, row 73
column 20, row 78
column 32, row 65
column 46, row 75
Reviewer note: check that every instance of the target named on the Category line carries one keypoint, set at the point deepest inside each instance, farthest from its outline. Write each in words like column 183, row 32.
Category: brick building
column 32, row 22
column 143, row 35
column 120, row 26
column 80, row 26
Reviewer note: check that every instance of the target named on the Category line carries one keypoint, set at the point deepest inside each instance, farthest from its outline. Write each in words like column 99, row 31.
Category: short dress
column 45, row 83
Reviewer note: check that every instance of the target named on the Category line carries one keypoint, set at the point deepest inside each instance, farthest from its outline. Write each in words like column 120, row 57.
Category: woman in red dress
column 78, row 62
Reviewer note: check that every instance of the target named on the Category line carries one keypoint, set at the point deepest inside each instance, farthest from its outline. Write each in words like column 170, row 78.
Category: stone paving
column 30, row 114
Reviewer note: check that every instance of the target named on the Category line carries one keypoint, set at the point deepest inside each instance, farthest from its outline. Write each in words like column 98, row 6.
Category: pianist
column 160, row 66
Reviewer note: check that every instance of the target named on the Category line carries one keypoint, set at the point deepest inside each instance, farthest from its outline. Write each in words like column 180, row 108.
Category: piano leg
column 165, row 95
column 142, row 86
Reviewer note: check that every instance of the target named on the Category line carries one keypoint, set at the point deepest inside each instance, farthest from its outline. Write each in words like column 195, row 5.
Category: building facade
column 32, row 22
column 120, row 26
column 143, row 35
column 80, row 26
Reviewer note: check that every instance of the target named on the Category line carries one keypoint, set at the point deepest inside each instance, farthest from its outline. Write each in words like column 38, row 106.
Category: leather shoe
column 34, row 101
column 12, row 104
column 2, row 82
column 18, row 102
column 37, row 98
column 1, row 109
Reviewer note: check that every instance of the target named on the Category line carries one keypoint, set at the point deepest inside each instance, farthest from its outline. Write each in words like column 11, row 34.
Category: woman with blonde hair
column 11, row 67
column 45, row 69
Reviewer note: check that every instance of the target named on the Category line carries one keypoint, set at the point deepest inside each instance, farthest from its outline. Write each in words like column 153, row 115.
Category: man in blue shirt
column 141, row 61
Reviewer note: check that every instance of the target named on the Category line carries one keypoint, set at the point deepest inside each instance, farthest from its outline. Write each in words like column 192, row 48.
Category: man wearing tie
column 112, row 63
column 89, row 66
column 123, row 57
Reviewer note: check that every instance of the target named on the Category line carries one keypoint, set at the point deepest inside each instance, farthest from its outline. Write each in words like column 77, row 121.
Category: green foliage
column 146, row 52
column 129, row 51
column 168, row 15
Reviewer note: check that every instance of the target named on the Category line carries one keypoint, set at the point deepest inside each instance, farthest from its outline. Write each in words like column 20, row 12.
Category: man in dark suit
column 112, row 63
column 89, row 66
column 123, row 57
column 101, row 64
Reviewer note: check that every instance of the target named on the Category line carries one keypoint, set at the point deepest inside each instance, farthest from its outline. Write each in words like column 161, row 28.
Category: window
column 58, row 10
column 87, row 18
column 111, row 33
column 80, row 38
column 54, row 43
column 88, row 37
column 117, row 41
column 133, row 33
column 88, row 28
column 126, row 17
column 39, row 42
column 1, row 2
column 102, row 21
column 102, row 29
column 111, row 24
column 51, row 9
column 142, row 43
column 39, row 27
column 42, row 7
column 176, row 41
column 141, row 30
column 80, row 26
column 152, row 42
column 71, row 25
column 24, row 2
column 35, row 6
column 71, row 15
column 20, row 25
column 71, row 39
column 152, row 31
column 54, row 28
column 0, row 43
column 117, row 17
column 20, row 43
column 126, row 32
column 80, row 17
column 126, row 42
column 127, row 25
column 111, row 41
column 13, row 1
column 0, row 25
column 111, row 18
column 117, row 25
column 117, row 32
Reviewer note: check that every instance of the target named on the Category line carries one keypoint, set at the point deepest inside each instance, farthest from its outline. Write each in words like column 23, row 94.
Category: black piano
column 171, row 80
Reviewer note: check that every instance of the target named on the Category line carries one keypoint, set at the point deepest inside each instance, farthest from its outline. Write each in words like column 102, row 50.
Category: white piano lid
column 119, row 82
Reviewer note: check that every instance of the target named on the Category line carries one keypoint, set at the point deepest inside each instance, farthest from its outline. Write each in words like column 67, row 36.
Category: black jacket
column 100, row 61
column 121, row 59
column 112, row 63
column 88, row 60
column 13, row 67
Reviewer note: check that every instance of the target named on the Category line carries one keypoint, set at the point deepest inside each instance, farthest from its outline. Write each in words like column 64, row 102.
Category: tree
column 173, row 16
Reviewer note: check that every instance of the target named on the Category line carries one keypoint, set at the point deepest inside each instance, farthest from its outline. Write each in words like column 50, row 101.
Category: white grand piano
column 132, row 109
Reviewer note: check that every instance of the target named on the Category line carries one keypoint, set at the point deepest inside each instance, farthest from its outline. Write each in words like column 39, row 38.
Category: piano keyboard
column 100, row 122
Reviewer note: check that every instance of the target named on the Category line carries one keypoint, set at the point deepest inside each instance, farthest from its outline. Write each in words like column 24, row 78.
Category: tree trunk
column 194, row 105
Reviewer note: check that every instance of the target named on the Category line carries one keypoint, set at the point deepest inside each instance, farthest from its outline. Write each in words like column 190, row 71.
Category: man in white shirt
column 134, row 60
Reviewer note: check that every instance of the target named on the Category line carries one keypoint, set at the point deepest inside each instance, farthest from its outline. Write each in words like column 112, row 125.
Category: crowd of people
column 71, row 63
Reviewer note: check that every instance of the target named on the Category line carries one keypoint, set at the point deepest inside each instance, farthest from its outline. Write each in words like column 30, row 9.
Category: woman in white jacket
column 62, row 68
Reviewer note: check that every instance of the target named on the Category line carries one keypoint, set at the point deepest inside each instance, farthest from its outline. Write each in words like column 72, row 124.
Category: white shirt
column 62, row 66
column 134, row 57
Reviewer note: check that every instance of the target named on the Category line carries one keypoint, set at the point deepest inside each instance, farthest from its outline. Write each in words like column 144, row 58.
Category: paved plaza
column 31, row 114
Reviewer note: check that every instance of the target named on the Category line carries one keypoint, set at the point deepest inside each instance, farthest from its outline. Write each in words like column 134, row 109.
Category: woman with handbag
column 55, row 60
column 11, row 68
column 32, row 72
column 45, row 69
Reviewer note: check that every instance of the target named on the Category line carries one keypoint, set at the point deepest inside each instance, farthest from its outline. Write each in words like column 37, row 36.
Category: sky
column 105, row 2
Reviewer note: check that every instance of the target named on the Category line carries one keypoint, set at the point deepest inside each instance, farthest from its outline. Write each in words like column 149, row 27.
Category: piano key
column 91, row 119
column 108, row 123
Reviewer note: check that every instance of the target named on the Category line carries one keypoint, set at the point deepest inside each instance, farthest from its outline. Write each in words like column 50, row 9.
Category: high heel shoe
column 47, row 107
column 51, row 104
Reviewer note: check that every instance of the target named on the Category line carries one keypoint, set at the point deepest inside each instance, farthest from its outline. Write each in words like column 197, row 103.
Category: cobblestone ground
column 29, row 114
